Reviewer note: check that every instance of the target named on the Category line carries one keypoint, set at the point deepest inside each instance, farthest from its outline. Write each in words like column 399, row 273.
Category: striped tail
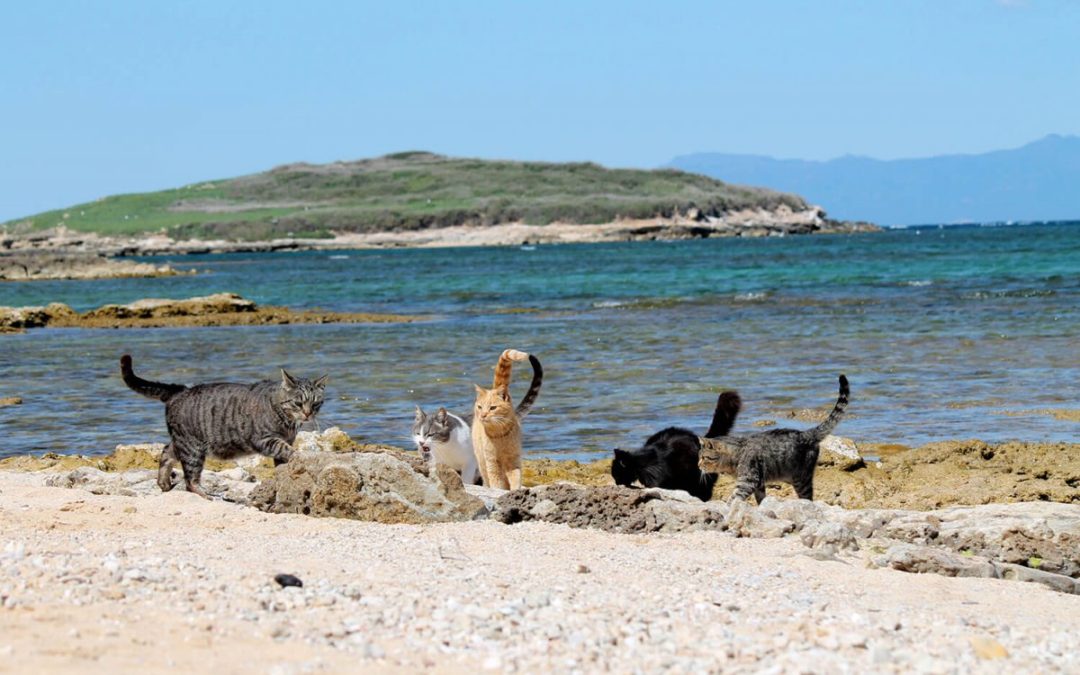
column 156, row 390
column 534, row 388
column 505, row 365
column 825, row 428
column 728, row 405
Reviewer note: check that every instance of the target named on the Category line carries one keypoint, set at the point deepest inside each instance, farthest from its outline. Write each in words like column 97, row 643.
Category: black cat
column 669, row 458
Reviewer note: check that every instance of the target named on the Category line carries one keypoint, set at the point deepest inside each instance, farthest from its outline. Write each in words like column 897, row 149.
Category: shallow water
column 938, row 331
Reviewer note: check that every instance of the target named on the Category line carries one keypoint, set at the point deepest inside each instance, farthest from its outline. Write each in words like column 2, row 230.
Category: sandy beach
column 142, row 581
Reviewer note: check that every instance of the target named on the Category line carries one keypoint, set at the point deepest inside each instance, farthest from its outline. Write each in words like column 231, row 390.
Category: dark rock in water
column 384, row 487
column 611, row 508
column 286, row 580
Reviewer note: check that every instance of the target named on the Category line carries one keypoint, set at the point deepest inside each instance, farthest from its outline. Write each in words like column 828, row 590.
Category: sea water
column 944, row 333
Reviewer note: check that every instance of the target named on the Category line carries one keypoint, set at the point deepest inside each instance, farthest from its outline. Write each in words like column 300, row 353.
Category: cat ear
column 287, row 380
column 321, row 382
column 621, row 454
column 479, row 390
column 440, row 415
column 419, row 414
column 503, row 391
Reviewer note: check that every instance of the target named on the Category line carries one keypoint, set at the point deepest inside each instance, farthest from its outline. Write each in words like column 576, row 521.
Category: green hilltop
column 405, row 191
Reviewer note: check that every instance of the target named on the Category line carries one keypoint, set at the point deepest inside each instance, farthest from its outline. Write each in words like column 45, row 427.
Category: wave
column 751, row 297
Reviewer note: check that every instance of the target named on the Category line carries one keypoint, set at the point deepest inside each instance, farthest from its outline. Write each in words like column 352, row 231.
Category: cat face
column 623, row 468
column 430, row 429
column 494, row 409
column 301, row 398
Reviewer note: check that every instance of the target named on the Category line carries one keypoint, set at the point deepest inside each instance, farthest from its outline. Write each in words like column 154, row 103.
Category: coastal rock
column 1036, row 534
column 840, row 452
column 10, row 400
column 746, row 520
column 143, row 483
column 221, row 309
column 373, row 486
column 18, row 318
column 611, row 508
column 488, row 495
column 1034, row 542
column 34, row 265
column 149, row 308
column 329, row 440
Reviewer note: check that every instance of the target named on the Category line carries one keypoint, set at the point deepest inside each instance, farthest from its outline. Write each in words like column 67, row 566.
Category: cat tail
column 505, row 365
column 728, row 405
column 534, row 388
column 156, row 390
column 825, row 428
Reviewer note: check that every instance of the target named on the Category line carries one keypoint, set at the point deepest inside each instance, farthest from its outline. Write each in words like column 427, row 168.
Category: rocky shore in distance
column 221, row 309
column 36, row 264
column 781, row 221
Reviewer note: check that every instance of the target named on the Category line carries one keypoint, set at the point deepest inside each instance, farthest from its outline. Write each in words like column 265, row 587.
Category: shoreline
column 91, row 557
column 936, row 475
column 748, row 223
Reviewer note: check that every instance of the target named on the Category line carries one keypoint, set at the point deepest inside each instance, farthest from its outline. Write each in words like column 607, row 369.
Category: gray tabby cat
column 787, row 455
column 226, row 420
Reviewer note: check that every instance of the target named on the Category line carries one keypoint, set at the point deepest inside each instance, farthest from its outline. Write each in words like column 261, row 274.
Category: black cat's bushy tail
column 156, row 390
column 534, row 388
column 825, row 428
column 728, row 405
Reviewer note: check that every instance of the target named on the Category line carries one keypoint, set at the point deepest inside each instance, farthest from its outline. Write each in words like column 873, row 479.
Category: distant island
column 1037, row 182
column 418, row 199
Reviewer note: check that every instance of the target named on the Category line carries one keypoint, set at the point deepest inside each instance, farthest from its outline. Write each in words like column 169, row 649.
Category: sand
column 147, row 584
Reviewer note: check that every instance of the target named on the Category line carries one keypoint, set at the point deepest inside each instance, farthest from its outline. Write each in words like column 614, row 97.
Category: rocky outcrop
column 373, row 486
column 611, row 508
column 234, row 485
column 155, row 308
column 1037, row 542
column 220, row 309
column 39, row 265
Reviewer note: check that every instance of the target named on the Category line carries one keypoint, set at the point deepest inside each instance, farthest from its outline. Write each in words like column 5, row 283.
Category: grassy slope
column 405, row 191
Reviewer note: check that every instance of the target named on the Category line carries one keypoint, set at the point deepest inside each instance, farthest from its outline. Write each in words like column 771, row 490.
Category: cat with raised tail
column 788, row 455
column 446, row 438
column 669, row 459
column 227, row 420
column 496, row 426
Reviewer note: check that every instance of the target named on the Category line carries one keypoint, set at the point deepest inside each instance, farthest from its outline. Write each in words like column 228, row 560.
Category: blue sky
column 103, row 97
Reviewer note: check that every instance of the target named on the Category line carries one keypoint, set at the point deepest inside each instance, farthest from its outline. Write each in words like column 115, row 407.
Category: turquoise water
column 939, row 330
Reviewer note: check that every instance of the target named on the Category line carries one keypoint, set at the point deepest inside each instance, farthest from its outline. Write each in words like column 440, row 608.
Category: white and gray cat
column 446, row 438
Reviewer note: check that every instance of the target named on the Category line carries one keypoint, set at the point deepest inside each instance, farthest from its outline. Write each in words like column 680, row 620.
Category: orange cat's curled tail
column 503, row 371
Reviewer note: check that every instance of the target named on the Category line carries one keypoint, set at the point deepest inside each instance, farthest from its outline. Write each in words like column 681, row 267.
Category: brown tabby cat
column 496, row 429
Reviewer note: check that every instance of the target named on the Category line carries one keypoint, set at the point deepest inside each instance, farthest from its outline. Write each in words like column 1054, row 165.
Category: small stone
column 286, row 580
column 880, row 655
column 988, row 648
column 113, row 594
column 135, row 574
column 583, row 569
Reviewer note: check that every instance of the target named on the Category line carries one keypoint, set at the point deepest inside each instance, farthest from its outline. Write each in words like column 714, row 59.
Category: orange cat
column 496, row 428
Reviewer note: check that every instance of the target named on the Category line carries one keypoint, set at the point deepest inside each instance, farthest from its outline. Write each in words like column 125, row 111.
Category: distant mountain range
column 1039, row 181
